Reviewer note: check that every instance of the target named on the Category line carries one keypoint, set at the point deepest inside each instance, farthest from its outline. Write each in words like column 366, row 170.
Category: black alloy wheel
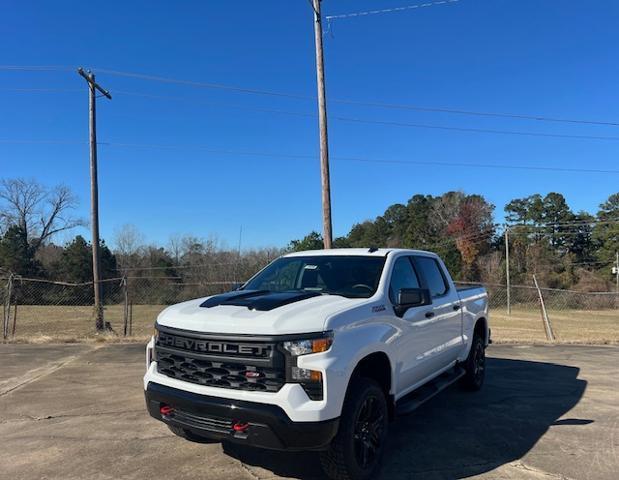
column 368, row 432
column 475, row 365
column 356, row 451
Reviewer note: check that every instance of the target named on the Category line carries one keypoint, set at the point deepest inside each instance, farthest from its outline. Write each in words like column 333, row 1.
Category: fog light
column 305, row 375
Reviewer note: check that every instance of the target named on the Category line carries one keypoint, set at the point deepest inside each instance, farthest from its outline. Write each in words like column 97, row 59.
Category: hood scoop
column 261, row 300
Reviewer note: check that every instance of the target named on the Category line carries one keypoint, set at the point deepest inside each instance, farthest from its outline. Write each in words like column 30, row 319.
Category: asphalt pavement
column 545, row 412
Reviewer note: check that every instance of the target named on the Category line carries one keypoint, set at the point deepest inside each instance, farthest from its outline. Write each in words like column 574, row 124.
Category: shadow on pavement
column 459, row 434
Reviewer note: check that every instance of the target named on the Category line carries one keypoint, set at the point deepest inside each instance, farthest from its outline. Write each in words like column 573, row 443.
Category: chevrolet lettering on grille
column 227, row 348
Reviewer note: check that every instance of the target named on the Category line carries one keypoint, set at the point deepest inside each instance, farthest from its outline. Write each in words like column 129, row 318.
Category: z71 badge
column 378, row 308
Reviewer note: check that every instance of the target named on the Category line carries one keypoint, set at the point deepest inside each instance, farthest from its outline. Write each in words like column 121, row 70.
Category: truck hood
column 217, row 314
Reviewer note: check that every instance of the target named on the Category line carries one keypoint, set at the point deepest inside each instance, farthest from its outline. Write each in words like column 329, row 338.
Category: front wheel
column 357, row 449
column 475, row 365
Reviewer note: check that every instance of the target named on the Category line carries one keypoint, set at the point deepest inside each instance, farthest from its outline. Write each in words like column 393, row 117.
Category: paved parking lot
column 546, row 412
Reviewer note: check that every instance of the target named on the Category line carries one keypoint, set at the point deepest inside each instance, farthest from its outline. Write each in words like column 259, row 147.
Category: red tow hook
column 166, row 410
column 240, row 427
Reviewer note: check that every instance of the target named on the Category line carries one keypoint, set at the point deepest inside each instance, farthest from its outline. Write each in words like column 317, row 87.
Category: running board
column 416, row 398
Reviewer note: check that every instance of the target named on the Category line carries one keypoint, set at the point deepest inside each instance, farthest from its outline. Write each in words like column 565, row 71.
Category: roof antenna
column 373, row 249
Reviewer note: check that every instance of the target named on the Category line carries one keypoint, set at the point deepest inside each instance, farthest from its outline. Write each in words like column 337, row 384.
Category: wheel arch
column 376, row 366
column 481, row 328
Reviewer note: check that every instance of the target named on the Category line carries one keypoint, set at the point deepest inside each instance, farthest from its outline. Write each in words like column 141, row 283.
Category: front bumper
column 265, row 425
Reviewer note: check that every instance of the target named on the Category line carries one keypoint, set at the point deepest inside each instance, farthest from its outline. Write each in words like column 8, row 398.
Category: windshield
column 349, row 276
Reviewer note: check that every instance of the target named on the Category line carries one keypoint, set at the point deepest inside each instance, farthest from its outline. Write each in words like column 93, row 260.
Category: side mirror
column 412, row 297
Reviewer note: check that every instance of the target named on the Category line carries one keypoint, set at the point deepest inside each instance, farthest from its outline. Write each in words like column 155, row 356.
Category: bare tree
column 129, row 243
column 175, row 247
column 40, row 212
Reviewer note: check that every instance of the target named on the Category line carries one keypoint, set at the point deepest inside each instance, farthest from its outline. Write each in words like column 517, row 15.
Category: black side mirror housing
column 412, row 297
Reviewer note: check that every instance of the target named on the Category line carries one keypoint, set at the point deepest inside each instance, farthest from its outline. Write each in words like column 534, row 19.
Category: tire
column 356, row 451
column 189, row 435
column 475, row 365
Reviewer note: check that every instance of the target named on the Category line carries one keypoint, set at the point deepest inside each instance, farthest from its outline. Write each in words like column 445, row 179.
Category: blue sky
column 537, row 57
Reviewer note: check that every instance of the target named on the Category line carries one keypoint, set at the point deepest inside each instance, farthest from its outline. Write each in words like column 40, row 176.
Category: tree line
column 565, row 249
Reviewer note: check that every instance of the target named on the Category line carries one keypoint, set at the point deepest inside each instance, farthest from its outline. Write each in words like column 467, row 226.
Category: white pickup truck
column 318, row 351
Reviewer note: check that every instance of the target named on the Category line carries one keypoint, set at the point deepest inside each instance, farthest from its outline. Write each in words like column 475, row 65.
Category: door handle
column 456, row 307
column 429, row 314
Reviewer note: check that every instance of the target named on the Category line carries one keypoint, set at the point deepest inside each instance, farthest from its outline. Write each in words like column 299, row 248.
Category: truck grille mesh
column 219, row 374
column 240, row 373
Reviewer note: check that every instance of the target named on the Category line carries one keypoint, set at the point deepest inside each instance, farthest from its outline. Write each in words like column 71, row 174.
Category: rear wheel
column 475, row 365
column 358, row 447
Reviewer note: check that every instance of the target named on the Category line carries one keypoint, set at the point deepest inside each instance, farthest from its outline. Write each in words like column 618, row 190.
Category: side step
column 416, row 398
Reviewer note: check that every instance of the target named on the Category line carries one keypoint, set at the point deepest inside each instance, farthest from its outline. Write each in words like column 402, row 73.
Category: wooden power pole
column 322, row 123
column 94, row 192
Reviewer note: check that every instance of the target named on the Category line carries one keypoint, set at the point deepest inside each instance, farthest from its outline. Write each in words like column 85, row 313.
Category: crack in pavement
column 529, row 468
column 35, row 374
column 248, row 471
column 518, row 465
column 30, row 418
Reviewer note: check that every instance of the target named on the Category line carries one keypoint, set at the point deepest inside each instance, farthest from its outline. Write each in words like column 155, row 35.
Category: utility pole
column 94, row 191
column 617, row 270
column 509, row 303
column 322, row 123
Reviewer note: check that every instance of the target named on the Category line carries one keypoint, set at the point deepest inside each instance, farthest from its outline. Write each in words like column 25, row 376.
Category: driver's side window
column 402, row 276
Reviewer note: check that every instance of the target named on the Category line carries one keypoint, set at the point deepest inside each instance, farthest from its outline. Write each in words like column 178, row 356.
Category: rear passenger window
column 403, row 276
column 431, row 271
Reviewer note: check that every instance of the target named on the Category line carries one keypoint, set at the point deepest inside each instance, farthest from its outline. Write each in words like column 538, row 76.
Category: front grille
column 219, row 374
column 253, row 366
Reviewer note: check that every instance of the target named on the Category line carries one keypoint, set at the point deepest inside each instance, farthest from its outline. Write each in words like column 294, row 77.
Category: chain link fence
column 526, row 313
column 41, row 310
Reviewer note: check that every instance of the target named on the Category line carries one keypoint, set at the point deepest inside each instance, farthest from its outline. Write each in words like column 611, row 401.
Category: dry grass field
column 36, row 324
column 569, row 326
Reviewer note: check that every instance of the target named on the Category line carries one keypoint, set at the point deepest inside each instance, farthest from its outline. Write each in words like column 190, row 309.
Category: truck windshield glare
column 348, row 276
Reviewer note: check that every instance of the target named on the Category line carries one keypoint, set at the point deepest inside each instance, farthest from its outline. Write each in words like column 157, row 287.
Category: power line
column 383, row 122
column 215, row 104
column 38, row 68
column 46, row 142
column 193, row 83
column 476, row 165
column 41, row 90
column 548, row 234
column 474, row 239
column 375, row 122
column 588, row 263
column 390, row 10
column 391, row 123
column 517, row 116
column 473, row 130
column 255, row 91
column 386, row 106
column 307, row 156
column 574, row 223
column 181, row 267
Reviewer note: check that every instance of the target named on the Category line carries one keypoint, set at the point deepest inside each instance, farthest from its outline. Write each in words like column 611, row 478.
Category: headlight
column 297, row 348
column 310, row 380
